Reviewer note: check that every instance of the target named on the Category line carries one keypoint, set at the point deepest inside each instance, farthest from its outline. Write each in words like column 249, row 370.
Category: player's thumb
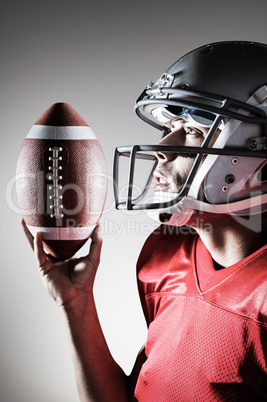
column 96, row 246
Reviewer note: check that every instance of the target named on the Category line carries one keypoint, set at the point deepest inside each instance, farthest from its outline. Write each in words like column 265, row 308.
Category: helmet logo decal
column 165, row 81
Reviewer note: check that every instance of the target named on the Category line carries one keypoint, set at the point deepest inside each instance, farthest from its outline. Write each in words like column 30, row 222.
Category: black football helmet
column 221, row 86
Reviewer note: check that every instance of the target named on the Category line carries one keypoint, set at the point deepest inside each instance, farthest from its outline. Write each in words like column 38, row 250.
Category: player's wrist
column 80, row 306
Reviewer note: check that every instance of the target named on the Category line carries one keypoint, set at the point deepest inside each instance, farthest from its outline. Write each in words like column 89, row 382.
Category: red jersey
column 207, row 336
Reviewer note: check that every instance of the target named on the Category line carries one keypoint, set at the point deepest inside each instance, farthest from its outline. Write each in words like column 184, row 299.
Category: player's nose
column 165, row 155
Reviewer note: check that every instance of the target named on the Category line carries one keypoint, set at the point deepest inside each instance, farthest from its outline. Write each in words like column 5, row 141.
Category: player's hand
column 71, row 279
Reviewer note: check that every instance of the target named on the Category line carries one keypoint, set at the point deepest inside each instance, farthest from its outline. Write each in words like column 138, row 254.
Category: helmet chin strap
column 176, row 215
column 178, row 219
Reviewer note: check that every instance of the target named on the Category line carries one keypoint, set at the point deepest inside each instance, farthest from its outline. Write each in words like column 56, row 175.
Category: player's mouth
column 162, row 183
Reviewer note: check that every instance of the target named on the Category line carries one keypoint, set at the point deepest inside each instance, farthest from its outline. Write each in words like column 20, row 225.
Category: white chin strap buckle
column 176, row 215
column 179, row 219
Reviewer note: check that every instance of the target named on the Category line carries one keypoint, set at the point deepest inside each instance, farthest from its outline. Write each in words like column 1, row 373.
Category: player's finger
column 28, row 234
column 39, row 250
column 96, row 246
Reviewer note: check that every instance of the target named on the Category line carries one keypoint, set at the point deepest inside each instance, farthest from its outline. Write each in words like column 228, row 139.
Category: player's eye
column 193, row 131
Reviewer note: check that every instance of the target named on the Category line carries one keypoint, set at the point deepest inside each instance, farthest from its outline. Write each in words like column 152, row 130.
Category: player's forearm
column 98, row 376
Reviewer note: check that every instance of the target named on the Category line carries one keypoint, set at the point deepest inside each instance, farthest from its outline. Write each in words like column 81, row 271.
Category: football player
column 202, row 274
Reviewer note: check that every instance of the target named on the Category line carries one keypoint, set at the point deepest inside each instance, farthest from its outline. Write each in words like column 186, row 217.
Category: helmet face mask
column 220, row 87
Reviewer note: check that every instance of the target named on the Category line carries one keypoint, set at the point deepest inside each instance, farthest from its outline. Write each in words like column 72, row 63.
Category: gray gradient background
column 96, row 56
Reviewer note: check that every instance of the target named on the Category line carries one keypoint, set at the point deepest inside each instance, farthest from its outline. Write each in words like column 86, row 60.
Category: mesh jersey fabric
column 207, row 339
